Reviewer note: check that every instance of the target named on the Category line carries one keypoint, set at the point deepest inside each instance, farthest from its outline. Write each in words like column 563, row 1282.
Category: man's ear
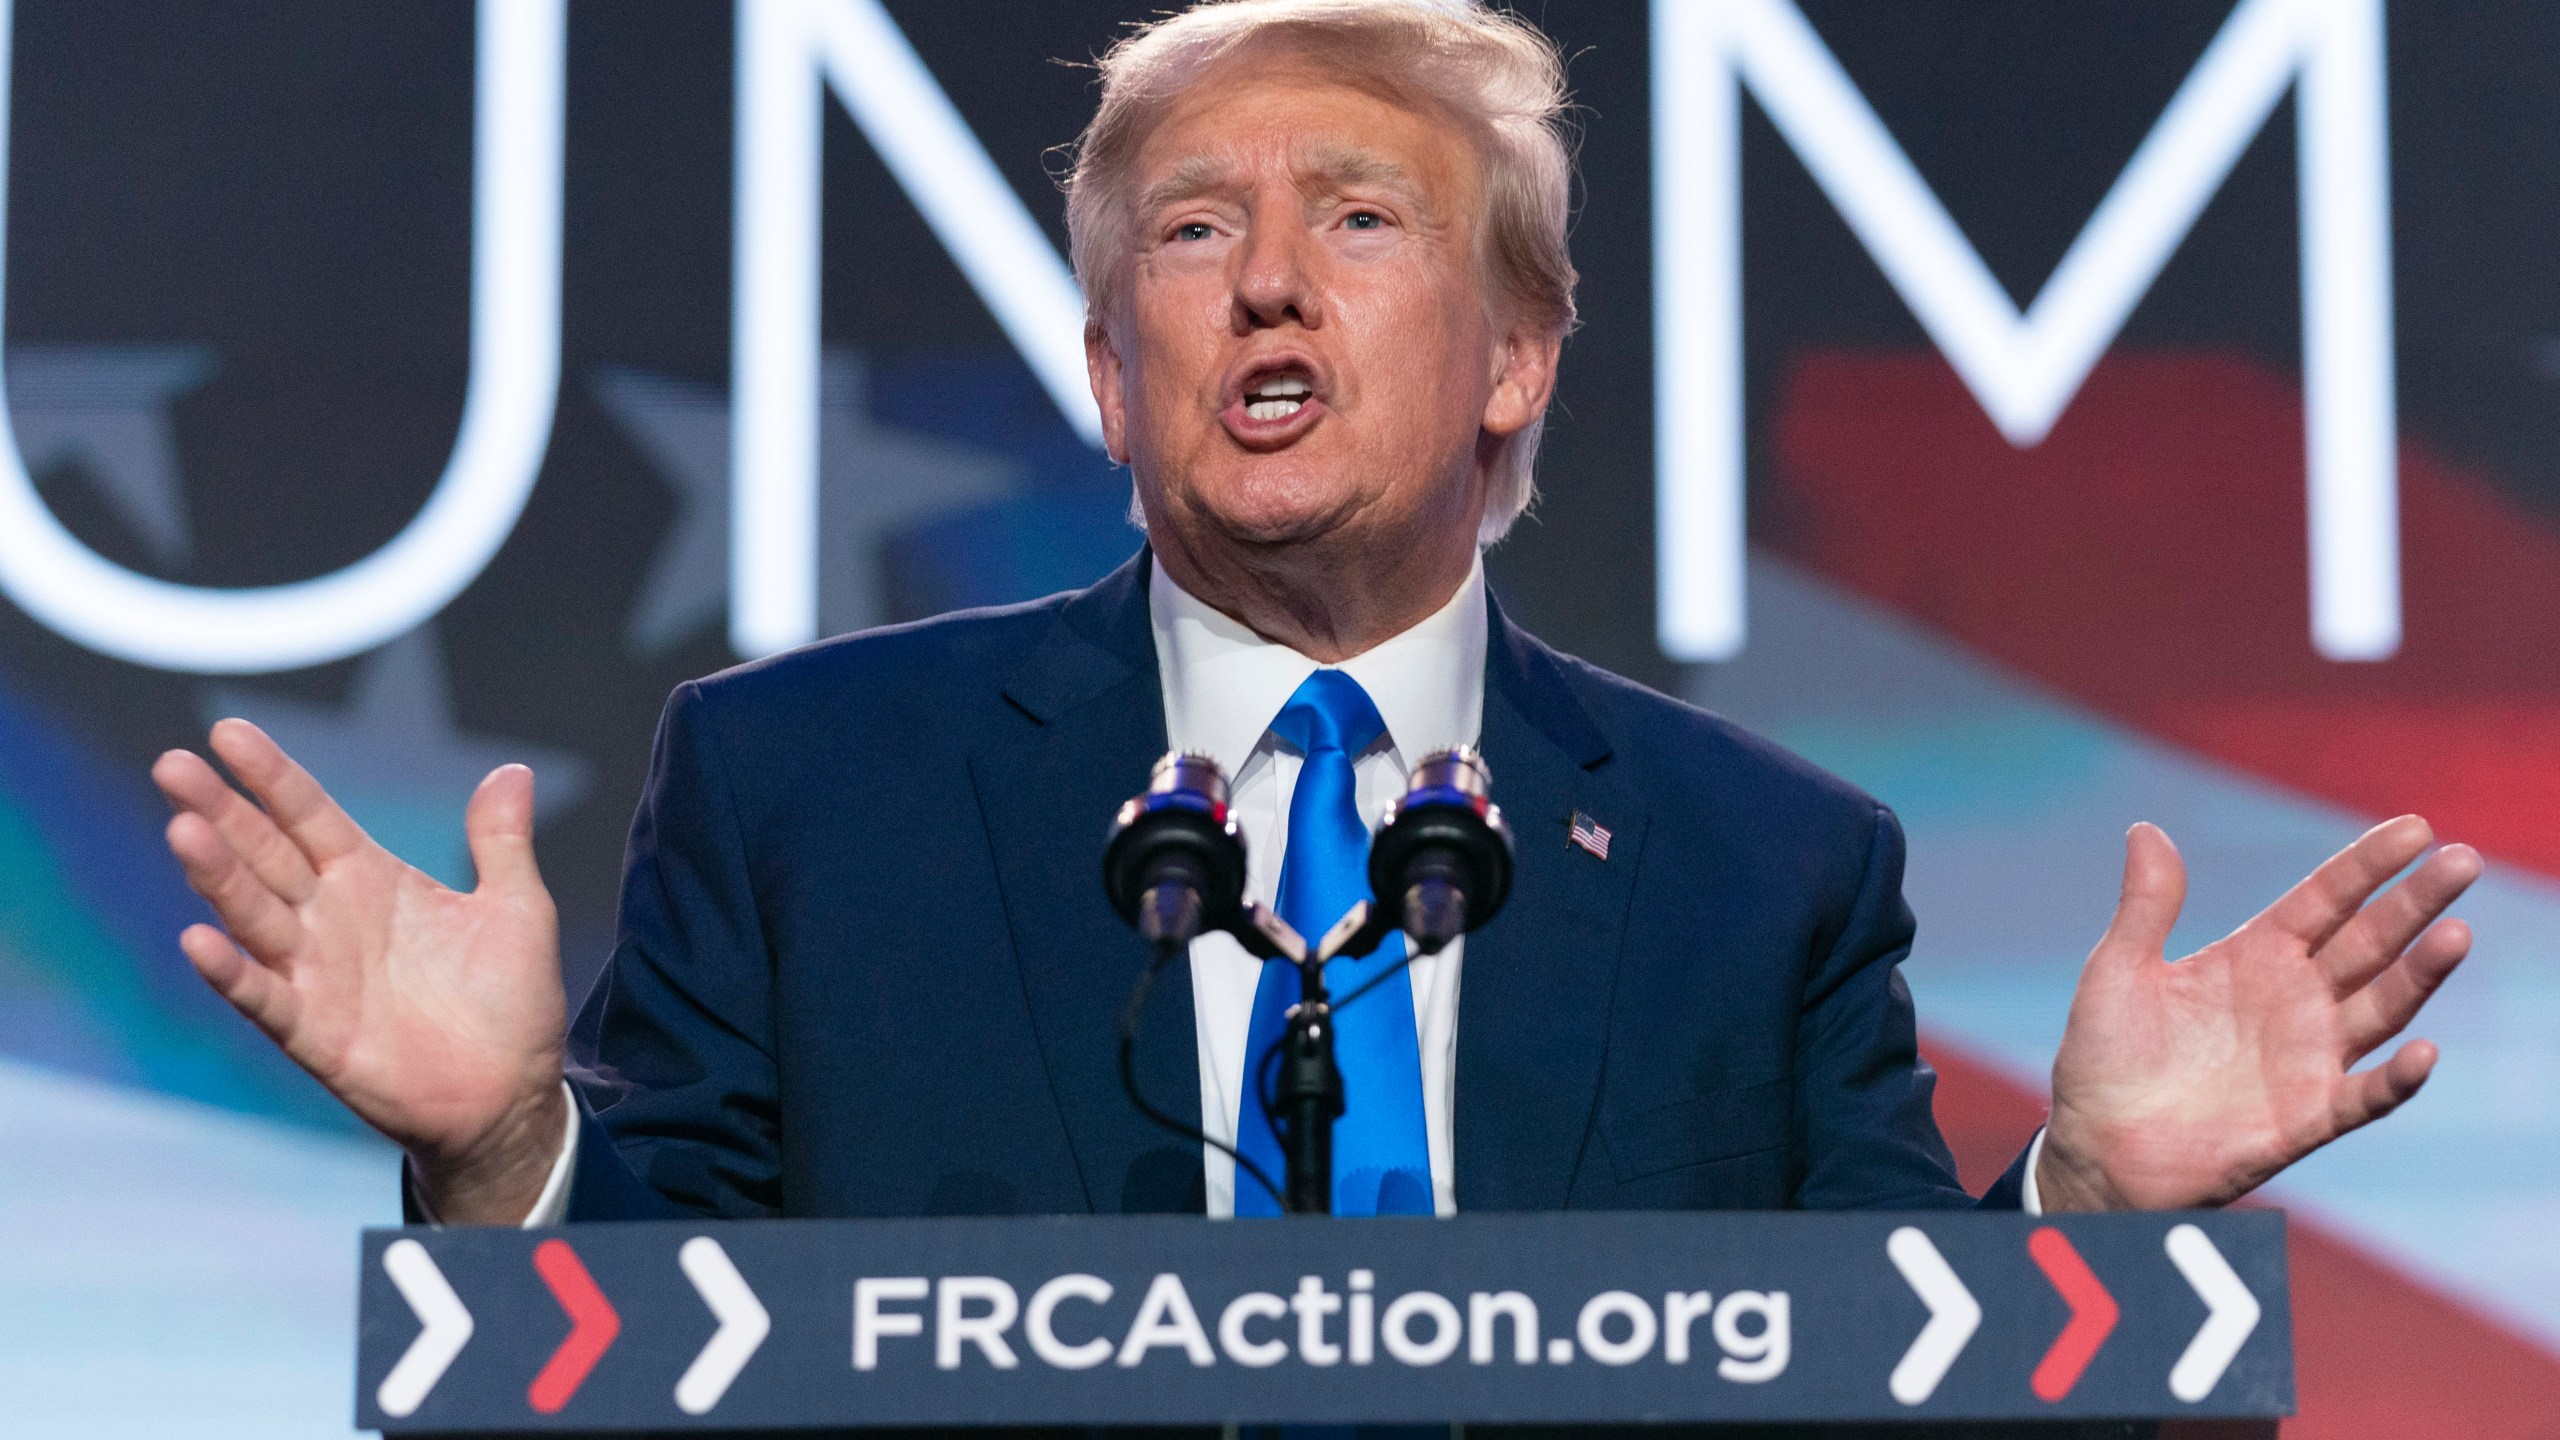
column 1524, row 379
column 1103, row 371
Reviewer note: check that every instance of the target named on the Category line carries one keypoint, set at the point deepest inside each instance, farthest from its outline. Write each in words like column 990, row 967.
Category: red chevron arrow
column 2093, row 1314
column 592, row 1326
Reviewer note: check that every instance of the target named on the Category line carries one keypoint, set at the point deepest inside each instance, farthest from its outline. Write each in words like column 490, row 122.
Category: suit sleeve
column 1862, row 1090
column 672, row 1054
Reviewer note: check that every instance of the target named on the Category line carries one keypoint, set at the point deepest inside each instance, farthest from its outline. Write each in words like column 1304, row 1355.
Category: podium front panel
column 1591, row 1318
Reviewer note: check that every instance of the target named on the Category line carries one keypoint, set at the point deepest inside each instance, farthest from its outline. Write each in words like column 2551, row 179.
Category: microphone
column 1174, row 867
column 1441, row 863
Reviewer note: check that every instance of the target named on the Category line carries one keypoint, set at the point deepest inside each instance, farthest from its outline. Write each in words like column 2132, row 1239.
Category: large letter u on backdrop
column 507, row 409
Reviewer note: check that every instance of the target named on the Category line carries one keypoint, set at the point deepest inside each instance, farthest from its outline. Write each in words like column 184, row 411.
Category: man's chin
column 1269, row 534
column 1277, row 511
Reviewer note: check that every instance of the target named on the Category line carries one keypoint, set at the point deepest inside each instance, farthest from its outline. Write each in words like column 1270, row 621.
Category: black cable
column 1262, row 1095
column 1129, row 1081
column 1374, row 981
column 1262, row 1082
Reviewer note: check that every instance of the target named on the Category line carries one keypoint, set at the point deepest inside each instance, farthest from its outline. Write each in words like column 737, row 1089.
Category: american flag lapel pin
column 1589, row 834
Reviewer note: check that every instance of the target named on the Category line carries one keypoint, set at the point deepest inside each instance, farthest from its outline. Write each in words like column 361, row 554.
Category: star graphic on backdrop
column 393, row 756
column 104, row 409
column 873, row 480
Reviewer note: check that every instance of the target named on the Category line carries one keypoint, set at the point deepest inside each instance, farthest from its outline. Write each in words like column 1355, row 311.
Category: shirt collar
column 1223, row 683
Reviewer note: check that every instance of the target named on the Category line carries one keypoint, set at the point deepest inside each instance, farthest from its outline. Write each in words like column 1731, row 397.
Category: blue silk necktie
column 1381, row 1151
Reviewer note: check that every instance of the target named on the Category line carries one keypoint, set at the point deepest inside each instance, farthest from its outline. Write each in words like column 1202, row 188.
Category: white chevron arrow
column 2231, row 1314
column 1953, row 1316
column 743, row 1325
column 439, row 1310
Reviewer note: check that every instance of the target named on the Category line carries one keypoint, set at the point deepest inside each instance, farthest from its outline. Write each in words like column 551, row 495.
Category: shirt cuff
column 2028, row 1198
column 551, row 1207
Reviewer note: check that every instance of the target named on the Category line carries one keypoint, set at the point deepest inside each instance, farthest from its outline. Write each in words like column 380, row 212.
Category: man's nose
column 1276, row 278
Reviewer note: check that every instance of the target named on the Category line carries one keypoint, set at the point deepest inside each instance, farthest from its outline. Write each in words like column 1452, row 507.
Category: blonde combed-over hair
column 1493, row 72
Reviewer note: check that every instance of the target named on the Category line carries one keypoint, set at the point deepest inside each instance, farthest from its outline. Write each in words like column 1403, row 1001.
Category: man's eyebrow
column 1325, row 170
column 1335, row 167
column 1189, row 180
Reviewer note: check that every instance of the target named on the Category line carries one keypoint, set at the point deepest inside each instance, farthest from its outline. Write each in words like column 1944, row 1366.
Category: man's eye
column 1366, row 220
column 1196, row 230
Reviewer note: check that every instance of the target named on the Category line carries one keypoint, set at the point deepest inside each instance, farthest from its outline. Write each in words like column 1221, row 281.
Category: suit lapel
column 1095, row 722
column 1533, row 1006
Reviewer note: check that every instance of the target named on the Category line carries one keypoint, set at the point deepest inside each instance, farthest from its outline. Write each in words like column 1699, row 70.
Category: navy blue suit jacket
column 865, row 966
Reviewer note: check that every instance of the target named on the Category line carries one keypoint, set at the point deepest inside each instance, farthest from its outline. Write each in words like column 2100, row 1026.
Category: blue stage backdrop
column 2142, row 412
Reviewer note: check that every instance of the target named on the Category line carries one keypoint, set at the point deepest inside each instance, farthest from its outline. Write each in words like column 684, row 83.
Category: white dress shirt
column 1223, row 685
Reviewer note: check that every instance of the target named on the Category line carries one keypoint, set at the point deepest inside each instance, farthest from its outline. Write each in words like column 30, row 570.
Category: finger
column 301, row 808
column 253, row 914
column 2385, row 1007
column 2155, row 890
column 499, row 824
column 2367, row 1095
column 2313, row 910
column 252, row 989
column 191, row 784
column 2380, row 931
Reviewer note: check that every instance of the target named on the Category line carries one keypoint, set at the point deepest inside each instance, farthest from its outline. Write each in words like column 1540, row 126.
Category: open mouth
column 1275, row 401
column 1277, row 397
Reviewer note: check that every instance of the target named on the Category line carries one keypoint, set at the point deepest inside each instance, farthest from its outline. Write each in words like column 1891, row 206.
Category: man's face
column 1306, row 350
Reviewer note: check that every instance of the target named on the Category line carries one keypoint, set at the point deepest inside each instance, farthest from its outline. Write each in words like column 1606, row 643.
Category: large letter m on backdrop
column 2024, row 367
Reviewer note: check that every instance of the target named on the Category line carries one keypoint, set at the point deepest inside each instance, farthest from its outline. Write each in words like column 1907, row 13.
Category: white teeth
column 1277, row 397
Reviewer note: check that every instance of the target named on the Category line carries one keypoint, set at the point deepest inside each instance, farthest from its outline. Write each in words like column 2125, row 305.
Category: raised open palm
column 2192, row 1083
column 436, row 1015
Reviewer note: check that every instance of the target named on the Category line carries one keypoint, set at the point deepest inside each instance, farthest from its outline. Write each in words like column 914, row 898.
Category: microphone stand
column 1441, row 862
column 1309, row 1098
column 1175, row 866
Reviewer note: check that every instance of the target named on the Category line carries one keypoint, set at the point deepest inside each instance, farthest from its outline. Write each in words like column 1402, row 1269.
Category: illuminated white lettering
column 1166, row 1320
column 1680, row 1310
column 1484, row 1309
column 2024, row 368
column 507, row 407
column 1313, row 1302
column 788, row 49
column 1751, row 1359
column 1362, row 1341
column 1396, row 1328
column 1592, row 1328
column 954, row 1326
column 1243, row 1348
column 871, row 1323
column 1039, row 1322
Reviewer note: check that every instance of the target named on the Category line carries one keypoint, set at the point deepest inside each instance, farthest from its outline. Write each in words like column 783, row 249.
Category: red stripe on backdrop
column 2379, row 1354
column 2149, row 559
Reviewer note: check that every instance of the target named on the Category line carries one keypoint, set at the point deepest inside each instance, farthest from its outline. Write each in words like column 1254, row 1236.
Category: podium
column 1171, row 1320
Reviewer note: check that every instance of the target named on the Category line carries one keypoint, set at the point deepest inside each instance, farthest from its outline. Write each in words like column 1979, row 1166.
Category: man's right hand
column 437, row 1016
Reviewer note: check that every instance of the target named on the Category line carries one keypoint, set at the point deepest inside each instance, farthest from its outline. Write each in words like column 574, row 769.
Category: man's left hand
column 2190, row 1084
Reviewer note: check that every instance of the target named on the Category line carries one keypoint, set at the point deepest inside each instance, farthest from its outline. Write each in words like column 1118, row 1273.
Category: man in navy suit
column 865, row 966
